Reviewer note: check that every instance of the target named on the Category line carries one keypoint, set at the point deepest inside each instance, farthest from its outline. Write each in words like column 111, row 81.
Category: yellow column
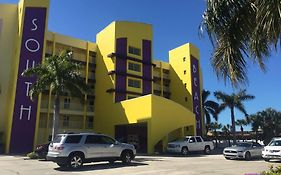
column 161, row 81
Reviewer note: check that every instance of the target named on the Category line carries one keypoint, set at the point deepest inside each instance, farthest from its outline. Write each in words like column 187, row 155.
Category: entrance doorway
column 135, row 134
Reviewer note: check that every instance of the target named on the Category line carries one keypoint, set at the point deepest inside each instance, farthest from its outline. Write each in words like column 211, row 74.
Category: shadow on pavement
column 101, row 166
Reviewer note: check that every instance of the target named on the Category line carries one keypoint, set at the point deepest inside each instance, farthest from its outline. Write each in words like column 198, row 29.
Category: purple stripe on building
column 146, row 56
column 195, row 78
column 121, row 66
column 25, row 110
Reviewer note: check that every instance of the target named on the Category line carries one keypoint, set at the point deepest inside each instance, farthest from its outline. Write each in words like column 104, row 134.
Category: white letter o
column 32, row 50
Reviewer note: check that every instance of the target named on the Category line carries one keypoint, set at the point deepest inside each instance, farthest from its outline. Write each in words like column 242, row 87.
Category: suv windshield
column 275, row 143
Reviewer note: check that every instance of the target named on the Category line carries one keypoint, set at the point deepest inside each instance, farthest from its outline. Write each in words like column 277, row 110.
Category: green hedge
column 273, row 171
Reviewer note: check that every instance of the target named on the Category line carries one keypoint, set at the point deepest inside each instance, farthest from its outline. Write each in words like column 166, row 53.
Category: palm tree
column 226, row 130
column 233, row 101
column 241, row 123
column 269, row 121
column 215, row 126
column 241, row 30
column 210, row 108
column 60, row 74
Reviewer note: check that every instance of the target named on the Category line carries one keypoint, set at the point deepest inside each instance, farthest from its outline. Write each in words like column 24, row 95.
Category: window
column 65, row 122
column 58, row 139
column 198, row 139
column 134, row 83
column 131, row 97
column 66, row 103
column 91, row 105
column 92, row 139
column 73, row 139
column 183, row 59
column 107, row 140
column 184, row 72
column 185, row 99
column 90, row 121
column 134, row 51
column 96, row 139
column 134, row 67
column 192, row 140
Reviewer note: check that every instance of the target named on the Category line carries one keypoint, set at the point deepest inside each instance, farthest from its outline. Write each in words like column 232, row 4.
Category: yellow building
column 136, row 98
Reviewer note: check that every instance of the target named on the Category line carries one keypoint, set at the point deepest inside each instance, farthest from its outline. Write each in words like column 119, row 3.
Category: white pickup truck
column 189, row 144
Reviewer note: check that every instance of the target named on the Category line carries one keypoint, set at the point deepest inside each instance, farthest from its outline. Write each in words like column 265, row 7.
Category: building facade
column 136, row 98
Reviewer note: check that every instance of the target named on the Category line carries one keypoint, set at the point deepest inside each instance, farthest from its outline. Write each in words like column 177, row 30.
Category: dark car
column 42, row 150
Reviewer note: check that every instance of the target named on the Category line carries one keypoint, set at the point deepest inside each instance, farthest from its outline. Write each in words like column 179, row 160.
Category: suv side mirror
column 116, row 142
column 190, row 141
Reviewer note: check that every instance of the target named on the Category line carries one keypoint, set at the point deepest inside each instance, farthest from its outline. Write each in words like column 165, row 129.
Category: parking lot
column 142, row 165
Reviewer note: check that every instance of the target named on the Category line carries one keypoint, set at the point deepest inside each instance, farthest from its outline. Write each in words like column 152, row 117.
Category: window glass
column 90, row 121
column 92, row 139
column 65, row 121
column 58, row 139
column 198, row 139
column 256, row 144
column 107, row 140
column 135, row 51
column 66, row 103
column 73, row 139
column 134, row 67
column 192, row 140
column 134, row 83
column 131, row 97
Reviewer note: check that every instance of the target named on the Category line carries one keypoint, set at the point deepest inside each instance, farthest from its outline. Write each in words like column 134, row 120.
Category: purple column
column 146, row 52
column 25, row 110
column 196, row 95
column 121, row 67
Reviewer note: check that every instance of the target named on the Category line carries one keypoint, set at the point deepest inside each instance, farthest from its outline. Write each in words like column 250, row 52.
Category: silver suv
column 72, row 150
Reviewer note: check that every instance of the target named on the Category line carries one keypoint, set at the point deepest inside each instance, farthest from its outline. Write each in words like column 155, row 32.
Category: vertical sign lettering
column 195, row 81
column 24, row 116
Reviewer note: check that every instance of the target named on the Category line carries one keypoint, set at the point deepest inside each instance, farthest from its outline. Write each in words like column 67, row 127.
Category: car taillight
column 59, row 148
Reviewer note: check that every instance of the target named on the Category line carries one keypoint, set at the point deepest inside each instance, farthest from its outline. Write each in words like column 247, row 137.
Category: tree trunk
column 56, row 117
column 216, row 138
column 233, row 125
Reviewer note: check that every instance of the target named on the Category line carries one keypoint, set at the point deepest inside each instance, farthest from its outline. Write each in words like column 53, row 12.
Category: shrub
column 32, row 155
column 272, row 171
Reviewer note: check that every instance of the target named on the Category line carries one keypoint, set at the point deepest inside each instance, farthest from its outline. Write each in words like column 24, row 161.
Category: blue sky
column 175, row 23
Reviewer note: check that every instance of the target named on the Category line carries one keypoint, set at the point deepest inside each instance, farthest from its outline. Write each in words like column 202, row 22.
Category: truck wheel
column 207, row 150
column 184, row 151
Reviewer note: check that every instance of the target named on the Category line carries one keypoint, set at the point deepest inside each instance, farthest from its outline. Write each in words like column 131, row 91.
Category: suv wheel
column 75, row 161
column 126, row 157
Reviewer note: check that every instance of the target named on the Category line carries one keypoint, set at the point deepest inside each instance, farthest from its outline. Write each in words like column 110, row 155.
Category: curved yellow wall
column 162, row 116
